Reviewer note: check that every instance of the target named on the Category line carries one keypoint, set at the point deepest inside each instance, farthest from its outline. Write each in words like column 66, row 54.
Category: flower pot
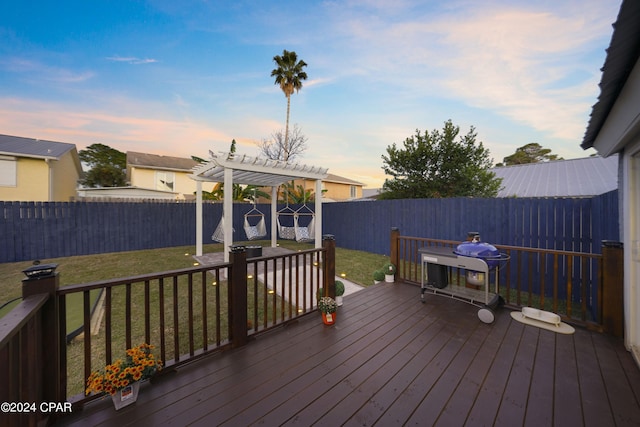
column 339, row 300
column 329, row 318
column 126, row 396
column 389, row 278
column 375, row 282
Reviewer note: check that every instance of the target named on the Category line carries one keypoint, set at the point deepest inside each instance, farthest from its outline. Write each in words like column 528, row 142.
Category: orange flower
column 138, row 364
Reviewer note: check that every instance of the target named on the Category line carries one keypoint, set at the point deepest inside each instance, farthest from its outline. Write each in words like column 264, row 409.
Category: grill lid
column 477, row 250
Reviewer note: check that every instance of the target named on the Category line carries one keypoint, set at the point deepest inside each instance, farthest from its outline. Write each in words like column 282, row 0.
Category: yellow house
column 162, row 174
column 334, row 189
column 38, row 171
column 341, row 189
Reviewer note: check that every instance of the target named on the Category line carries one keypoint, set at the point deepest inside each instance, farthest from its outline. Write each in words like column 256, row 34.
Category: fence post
column 49, row 377
column 329, row 265
column 612, row 288
column 394, row 254
column 237, row 294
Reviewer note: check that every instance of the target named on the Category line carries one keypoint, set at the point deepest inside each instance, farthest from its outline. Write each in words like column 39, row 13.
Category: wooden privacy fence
column 30, row 231
column 184, row 313
column 583, row 288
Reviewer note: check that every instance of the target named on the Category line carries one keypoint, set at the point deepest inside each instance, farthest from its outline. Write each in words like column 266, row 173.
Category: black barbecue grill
column 478, row 259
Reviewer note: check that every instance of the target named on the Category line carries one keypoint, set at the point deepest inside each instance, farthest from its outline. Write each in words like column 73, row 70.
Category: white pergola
column 246, row 170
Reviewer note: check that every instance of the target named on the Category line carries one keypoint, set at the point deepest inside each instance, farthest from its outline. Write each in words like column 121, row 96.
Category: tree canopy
column 437, row 165
column 107, row 166
column 529, row 153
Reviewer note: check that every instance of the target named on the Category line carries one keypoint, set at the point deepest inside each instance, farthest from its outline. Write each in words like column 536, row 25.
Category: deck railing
column 184, row 314
column 583, row 288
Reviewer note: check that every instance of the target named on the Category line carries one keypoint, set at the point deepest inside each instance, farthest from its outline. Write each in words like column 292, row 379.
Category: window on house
column 8, row 172
column 354, row 192
column 165, row 181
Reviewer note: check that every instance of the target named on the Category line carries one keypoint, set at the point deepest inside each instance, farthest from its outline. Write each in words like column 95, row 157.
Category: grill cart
column 478, row 260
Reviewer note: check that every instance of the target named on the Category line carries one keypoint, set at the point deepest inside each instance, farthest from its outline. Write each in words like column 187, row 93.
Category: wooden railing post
column 50, row 379
column 612, row 288
column 237, row 293
column 329, row 265
column 394, row 254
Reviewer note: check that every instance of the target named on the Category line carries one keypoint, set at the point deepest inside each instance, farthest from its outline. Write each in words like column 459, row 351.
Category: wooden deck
column 391, row 360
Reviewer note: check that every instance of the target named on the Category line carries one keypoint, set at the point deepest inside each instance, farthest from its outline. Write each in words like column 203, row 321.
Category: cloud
column 131, row 60
column 36, row 70
column 74, row 124
column 531, row 65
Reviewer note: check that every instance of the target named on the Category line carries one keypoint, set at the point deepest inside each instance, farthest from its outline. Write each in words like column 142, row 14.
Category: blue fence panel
column 48, row 230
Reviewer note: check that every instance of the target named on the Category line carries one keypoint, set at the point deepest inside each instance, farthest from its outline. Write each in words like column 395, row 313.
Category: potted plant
column 339, row 292
column 121, row 379
column 389, row 272
column 328, row 307
column 378, row 276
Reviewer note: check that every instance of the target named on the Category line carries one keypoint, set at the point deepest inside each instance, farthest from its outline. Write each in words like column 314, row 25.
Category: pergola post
column 274, row 216
column 227, row 211
column 198, row 218
column 318, row 230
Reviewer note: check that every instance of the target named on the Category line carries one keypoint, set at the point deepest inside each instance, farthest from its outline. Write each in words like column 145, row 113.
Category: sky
column 183, row 78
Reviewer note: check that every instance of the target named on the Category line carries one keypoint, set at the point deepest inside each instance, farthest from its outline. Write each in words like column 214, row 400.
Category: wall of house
column 631, row 240
column 64, row 176
column 341, row 192
column 32, row 178
column 146, row 178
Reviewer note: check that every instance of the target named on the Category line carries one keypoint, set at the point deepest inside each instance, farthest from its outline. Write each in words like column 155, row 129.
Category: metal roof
column 622, row 56
column 584, row 177
column 35, row 148
column 249, row 170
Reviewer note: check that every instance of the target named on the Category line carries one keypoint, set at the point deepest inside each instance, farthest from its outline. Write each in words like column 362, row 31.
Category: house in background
column 586, row 177
column 160, row 173
column 341, row 189
column 334, row 189
column 37, row 170
column 614, row 127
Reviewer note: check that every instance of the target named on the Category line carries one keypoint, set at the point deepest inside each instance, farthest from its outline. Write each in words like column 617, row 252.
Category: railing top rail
column 69, row 289
column 13, row 321
column 507, row 247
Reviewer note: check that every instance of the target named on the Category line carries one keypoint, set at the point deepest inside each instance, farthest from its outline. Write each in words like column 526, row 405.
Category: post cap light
column 40, row 270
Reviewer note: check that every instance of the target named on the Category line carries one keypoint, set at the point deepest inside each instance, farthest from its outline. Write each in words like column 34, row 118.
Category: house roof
column 154, row 161
column 584, row 177
column 340, row 180
column 622, row 55
column 33, row 148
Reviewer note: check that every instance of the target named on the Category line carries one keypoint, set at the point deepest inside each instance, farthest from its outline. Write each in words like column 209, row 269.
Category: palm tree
column 289, row 75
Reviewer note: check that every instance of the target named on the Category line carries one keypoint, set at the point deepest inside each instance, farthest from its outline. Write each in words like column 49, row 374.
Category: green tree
column 289, row 76
column 249, row 193
column 437, row 165
column 529, row 153
column 107, row 166
column 295, row 194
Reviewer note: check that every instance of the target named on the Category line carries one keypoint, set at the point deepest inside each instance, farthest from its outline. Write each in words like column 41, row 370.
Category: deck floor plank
column 392, row 360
